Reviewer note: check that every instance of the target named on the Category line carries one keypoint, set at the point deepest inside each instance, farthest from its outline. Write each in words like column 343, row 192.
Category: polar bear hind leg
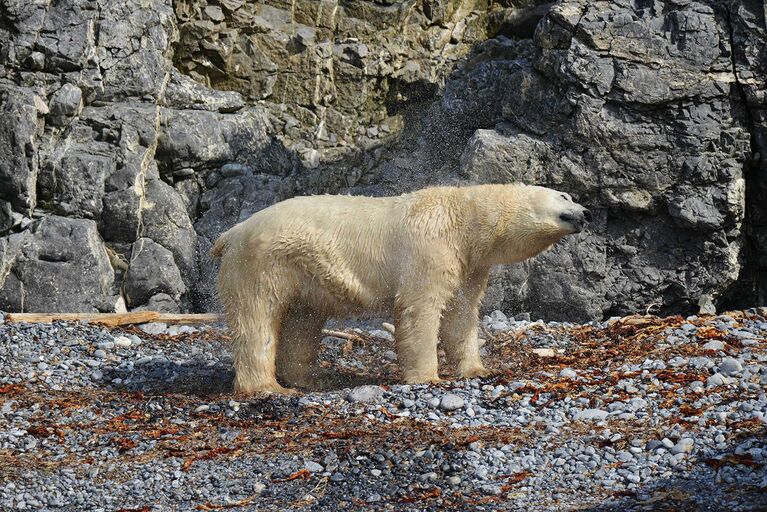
column 254, row 314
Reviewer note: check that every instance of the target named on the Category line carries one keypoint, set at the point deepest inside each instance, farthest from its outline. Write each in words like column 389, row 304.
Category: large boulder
column 200, row 140
column 60, row 264
column 650, row 135
column 65, row 104
column 152, row 270
column 166, row 222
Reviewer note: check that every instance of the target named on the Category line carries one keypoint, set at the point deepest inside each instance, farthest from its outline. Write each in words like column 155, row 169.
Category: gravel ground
column 640, row 413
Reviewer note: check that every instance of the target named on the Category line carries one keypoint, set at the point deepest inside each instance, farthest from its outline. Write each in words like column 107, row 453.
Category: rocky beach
column 637, row 413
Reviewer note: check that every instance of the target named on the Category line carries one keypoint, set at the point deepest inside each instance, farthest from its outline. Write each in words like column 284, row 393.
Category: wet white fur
column 423, row 256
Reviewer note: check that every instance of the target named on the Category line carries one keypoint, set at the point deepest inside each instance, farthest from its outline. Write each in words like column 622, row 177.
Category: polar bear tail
column 219, row 247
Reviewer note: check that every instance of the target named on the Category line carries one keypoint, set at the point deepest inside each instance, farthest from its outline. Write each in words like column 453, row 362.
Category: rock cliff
column 136, row 131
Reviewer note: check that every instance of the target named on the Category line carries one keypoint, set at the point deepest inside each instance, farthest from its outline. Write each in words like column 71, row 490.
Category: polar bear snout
column 576, row 218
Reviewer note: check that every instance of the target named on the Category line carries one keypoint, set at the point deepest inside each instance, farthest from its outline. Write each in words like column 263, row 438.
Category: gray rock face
column 159, row 124
column 629, row 132
column 60, row 264
column 21, row 111
column 123, row 139
column 747, row 21
column 152, row 270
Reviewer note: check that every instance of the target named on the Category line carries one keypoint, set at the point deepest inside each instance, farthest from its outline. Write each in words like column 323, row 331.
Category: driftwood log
column 114, row 319
column 140, row 317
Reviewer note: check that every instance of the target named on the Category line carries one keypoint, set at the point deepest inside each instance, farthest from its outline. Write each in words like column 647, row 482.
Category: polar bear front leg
column 458, row 331
column 417, row 319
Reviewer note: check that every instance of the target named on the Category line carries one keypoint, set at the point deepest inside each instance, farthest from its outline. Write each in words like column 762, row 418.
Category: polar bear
column 422, row 256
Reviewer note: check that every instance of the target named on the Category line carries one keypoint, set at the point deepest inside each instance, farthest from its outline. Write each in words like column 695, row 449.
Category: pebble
column 714, row 345
column 453, row 480
column 313, row 467
column 684, row 445
column 491, row 490
column 730, row 366
column 175, row 330
column 380, row 333
column 568, row 373
column 365, row 394
column 591, row 414
column 390, row 355
column 154, row 328
column 715, row 380
column 451, row 402
column 499, row 316
column 122, row 341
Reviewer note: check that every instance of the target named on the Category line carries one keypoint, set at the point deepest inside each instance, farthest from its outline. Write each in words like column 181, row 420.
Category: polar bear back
column 342, row 243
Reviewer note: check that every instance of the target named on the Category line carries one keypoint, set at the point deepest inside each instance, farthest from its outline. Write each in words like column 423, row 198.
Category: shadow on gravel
column 172, row 377
column 203, row 380
column 335, row 381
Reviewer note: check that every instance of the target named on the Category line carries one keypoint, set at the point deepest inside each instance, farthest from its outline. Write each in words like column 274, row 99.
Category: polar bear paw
column 475, row 371
column 422, row 379
column 264, row 388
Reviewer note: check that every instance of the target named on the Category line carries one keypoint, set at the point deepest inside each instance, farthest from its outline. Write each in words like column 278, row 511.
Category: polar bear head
column 554, row 212
column 531, row 219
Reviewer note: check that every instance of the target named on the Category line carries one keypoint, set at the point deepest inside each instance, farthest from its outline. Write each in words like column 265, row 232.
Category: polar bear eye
column 565, row 197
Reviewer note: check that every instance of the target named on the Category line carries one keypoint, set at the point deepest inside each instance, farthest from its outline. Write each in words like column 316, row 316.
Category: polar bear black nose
column 576, row 218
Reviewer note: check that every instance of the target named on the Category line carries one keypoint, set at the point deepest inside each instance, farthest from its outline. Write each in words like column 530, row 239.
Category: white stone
column 363, row 394
column 154, row 327
column 714, row 345
column 684, row 445
column 730, row 366
column 122, row 342
column 313, row 467
column 591, row 414
column 451, row 402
